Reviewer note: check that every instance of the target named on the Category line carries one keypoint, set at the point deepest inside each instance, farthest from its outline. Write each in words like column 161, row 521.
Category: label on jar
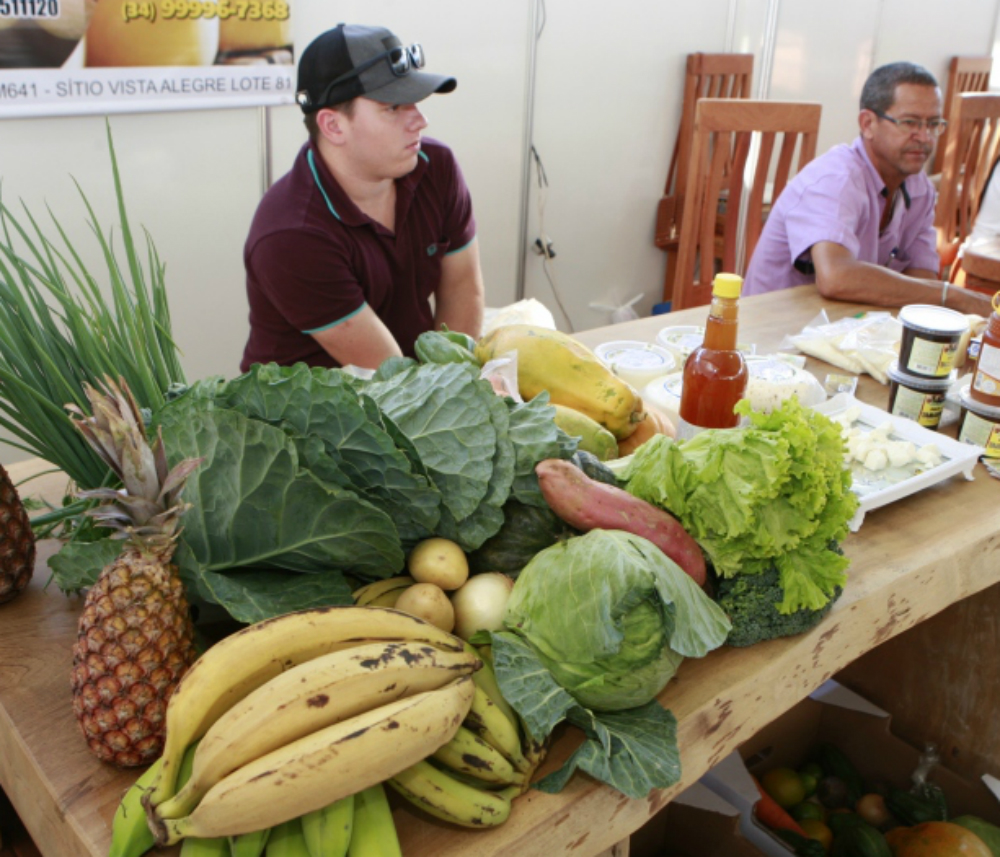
column 982, row 433
column 987, row 377
column 923, row 408
column 931, row 358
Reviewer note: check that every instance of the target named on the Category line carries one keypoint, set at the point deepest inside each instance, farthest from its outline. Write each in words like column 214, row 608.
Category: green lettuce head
column 612, row 617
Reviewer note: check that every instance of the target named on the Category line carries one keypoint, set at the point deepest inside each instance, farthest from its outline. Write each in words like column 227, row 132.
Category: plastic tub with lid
column 637, row 362
column 979, row 424
column 917, row 398
column 931, row 337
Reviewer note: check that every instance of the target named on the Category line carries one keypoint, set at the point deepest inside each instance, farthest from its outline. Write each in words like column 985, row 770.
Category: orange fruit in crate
column 816, row 829
column 785, row 786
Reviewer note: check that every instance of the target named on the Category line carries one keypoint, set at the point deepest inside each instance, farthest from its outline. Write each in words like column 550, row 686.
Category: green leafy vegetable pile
column 776, row 492
column 751, row 603
column 594, row 629
column 311, row 473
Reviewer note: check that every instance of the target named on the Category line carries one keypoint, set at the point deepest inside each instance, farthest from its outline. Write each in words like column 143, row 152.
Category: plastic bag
column 501, row 372
column 867, row 343
column 527, row 311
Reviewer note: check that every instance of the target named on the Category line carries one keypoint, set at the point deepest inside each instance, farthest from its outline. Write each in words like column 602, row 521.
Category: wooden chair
column 973, row 145
column 707, row 76
column 729, row 134
column 965, row 74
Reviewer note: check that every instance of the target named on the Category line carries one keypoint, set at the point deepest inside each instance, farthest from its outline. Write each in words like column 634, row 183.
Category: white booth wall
column 595, row 86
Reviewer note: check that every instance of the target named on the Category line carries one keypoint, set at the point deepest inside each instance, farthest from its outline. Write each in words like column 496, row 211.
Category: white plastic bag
column 527, row 311
column 866, row 343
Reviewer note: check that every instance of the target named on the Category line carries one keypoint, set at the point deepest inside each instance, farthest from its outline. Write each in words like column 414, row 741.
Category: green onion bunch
column 61, row 327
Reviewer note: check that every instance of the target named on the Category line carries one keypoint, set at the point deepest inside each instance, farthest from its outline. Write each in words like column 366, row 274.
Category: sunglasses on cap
column 401, row 61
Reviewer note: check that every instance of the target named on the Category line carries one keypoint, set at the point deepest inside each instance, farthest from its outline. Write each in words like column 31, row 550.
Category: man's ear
column 331, row 125
column 866, row 121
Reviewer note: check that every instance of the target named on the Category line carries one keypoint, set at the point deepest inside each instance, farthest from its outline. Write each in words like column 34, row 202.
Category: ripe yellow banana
column 374, row 833
column 311, row 696
column 217, row 847
column 444, row 797
column 382, row 593
column 239, row 664
column 490, row 723
column 327, row 831
column 286, row 840
column 130, row 835
column 325, row 766
column 469, row 754
column 249, row 844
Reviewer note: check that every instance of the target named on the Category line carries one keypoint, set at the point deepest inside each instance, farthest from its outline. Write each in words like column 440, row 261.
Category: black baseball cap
column 351, row 60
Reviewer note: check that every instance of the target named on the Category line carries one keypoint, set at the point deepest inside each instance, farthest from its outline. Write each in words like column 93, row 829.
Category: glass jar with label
column 985, row 387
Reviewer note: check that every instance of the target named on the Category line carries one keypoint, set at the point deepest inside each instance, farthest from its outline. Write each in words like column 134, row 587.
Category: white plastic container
column 637, row 362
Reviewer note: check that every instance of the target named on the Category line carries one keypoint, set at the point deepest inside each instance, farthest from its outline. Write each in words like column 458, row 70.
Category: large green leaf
column 252, row 505
column 444, row 410
column 324, row 410
column 251, row 596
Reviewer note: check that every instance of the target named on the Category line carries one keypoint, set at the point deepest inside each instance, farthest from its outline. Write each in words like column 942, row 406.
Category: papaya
column 594, row 438
column 936, row 839
column 548, row 360
column 656, row 422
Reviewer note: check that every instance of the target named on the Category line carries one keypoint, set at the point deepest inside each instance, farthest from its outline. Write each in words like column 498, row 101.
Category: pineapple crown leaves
column 148, row 508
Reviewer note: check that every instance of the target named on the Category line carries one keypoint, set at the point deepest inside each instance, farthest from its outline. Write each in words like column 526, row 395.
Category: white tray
column 878, row 491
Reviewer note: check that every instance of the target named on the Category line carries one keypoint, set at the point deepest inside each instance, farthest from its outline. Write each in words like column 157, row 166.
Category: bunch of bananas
column 296, row 713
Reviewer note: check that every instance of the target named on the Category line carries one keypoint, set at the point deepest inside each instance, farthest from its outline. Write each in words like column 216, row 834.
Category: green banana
column 328, row 830
column 467, row 753
column 286, row 840
column 382, row 593
column 439, row 794
column 374, row 831
column 486, row 678
column 486, row 720
column 130, row 835
column 218, row 847
column 249, row 844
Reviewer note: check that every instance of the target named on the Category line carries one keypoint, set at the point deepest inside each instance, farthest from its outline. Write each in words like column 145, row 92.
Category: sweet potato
column 587, row 504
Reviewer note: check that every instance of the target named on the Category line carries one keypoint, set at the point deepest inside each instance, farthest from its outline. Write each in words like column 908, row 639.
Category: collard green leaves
column 315, row 472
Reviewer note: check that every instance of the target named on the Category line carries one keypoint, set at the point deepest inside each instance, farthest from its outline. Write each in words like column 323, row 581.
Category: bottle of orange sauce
column 715, row 373
column 985, row 387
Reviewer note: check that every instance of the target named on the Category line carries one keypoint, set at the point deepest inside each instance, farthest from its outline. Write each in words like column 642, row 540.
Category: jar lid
column 928, row 318
column 727, row 285
column 988, row 412
column 919, row 382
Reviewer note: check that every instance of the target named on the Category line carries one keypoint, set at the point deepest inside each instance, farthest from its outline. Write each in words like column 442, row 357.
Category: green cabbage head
column 612, row 617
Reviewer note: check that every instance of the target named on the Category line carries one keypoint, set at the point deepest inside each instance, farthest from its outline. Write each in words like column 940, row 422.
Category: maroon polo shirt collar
column 342, row 206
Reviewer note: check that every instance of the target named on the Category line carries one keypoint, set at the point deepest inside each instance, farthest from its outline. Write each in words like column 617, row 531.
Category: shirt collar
column 341, row 206
column 859, row 146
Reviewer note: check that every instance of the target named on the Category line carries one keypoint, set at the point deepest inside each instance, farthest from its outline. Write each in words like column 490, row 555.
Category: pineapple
column 136, row 637
column 17, row 542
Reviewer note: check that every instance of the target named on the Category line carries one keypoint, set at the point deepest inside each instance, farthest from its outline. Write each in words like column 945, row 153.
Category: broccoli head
column 751, row 603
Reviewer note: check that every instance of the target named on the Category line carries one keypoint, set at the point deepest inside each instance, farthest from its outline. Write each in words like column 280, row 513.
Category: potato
column 427, row 601
column 438, row 561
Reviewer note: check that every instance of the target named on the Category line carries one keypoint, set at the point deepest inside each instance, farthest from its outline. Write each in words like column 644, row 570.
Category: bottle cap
column 727, row 285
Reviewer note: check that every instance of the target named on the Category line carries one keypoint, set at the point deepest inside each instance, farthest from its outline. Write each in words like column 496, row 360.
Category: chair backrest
column 707, row 76
column 965, row 74
column 729, row 136
column 973, row 146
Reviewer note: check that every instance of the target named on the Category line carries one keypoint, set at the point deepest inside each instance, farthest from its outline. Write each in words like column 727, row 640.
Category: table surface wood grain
column 909, row 561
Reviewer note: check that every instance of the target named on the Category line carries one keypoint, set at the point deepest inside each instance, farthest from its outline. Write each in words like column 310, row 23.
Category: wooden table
column 910, row 561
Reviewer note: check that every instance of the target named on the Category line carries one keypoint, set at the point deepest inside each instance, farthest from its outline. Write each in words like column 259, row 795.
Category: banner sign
column 73, row 57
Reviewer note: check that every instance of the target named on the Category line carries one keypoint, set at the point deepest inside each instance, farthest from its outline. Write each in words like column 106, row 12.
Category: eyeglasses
column 934, row 127
column 400, row 59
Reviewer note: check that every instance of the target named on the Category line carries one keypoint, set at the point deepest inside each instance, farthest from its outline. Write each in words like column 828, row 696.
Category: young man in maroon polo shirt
column 369, row 240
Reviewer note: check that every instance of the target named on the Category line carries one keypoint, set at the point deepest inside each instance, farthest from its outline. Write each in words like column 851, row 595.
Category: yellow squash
column 594, row 438
column 571, row 373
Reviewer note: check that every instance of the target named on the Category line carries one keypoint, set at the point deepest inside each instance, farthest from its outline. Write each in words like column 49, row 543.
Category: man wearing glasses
column 858, row 221
column 369, row 240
